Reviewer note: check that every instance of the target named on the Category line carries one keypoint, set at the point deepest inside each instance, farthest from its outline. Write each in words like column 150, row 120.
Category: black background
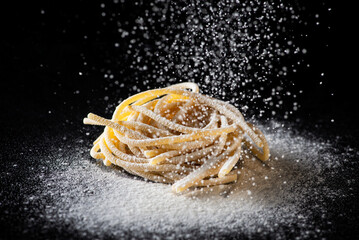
column 46, row 87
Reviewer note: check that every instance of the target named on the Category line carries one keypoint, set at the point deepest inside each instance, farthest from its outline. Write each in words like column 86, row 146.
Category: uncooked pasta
column 177, row 135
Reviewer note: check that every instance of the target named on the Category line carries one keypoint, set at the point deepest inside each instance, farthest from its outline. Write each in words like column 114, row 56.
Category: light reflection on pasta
column 177, row 135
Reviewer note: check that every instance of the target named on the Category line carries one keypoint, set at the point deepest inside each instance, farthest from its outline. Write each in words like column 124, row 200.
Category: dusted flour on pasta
column 294, row 189
column 172, row 135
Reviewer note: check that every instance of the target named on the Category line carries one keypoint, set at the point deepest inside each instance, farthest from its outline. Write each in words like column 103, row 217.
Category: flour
column 99, row 201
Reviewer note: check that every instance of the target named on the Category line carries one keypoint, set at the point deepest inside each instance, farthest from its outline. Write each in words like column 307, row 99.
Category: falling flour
column 99, row 201
column 238, row 51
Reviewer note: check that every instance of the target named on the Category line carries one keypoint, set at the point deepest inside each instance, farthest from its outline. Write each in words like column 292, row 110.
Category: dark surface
column 42, row 56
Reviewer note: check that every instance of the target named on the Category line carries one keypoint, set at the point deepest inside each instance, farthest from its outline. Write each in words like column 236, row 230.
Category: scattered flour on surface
column 266, row 200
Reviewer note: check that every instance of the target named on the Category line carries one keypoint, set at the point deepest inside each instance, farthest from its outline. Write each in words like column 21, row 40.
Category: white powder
column 99, row 201
column 240, row 51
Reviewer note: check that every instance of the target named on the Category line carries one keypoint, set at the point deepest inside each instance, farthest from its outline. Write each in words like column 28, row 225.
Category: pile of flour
column 269, row 200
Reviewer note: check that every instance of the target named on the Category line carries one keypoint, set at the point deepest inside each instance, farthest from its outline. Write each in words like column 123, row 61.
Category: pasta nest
column 177, row 135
